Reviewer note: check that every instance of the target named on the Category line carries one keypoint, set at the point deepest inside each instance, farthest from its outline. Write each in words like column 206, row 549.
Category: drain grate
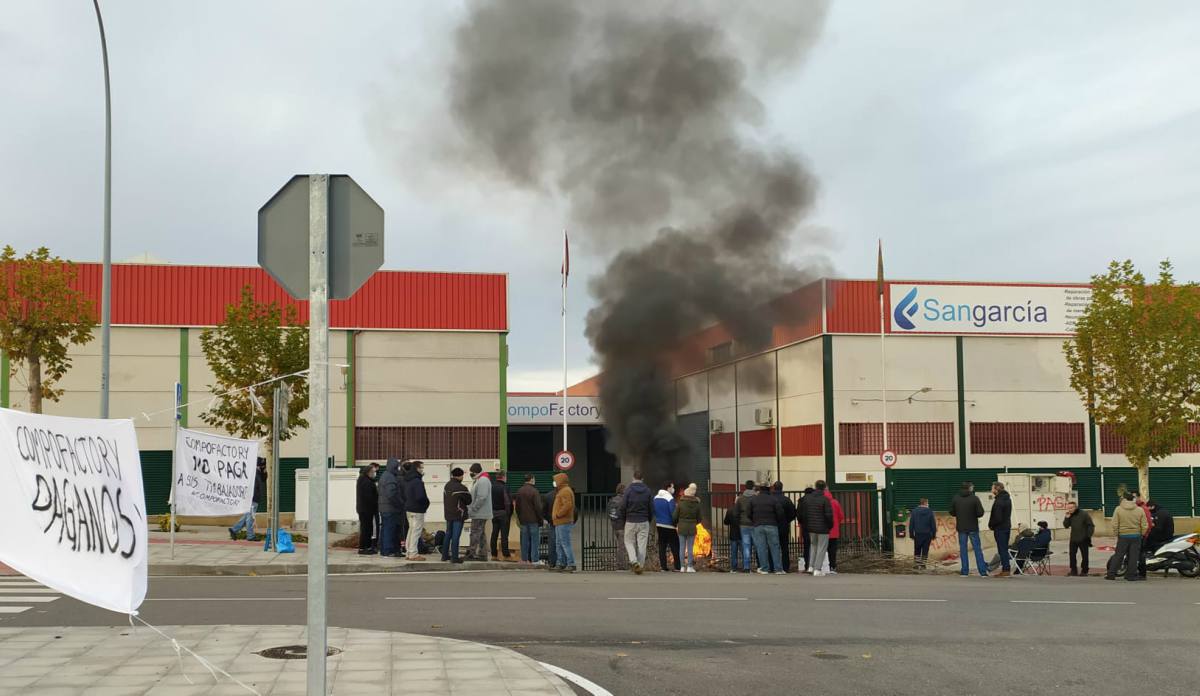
column 292, row 652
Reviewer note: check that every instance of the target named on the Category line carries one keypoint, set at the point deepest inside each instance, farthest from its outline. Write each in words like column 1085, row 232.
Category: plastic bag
column 703, row 544
column 283, row 542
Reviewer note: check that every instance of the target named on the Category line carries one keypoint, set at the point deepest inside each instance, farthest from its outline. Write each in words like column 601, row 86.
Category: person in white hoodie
column 480, row 511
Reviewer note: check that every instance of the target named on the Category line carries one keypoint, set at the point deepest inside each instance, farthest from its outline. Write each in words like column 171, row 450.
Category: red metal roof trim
column 150, row 295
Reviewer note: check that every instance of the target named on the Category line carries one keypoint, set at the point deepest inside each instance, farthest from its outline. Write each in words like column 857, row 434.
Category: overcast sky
column 998, row 141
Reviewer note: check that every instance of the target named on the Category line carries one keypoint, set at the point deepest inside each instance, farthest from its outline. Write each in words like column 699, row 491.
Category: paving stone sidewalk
column 207, row 554
column 123, row 661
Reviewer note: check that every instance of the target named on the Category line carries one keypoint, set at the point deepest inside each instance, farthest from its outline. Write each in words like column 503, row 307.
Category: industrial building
column 976, row 383
column 424, row 356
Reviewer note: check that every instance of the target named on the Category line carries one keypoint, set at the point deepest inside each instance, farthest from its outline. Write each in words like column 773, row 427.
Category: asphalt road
column 720, row 634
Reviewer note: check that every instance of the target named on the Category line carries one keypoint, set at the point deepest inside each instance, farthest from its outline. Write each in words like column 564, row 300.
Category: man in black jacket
column 967, row 509
column 416, row 504
column 1162, row 530
column 366, row 504
column 1000, row 522
column 785, row 526
column 1082, row 527
column 766, row 512
column 391, row 508
column 817, row 513
column 455, row 499
column 502, row 506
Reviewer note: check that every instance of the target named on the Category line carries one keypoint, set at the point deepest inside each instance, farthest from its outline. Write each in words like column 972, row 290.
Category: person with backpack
column 746, row 525
column 967, row 509
column 616, row 516
column 455, row 499
column 416, row 504
column 687, row 520
column 668, row 537
column 529, row 515
column 785, row 526
column 637, row 506
column 501, row 515
column 817, row 512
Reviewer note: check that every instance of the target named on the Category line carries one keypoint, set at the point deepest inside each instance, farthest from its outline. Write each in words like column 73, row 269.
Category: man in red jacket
column 835, row 532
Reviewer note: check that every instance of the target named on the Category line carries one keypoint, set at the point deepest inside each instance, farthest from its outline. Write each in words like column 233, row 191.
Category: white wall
column 913, row 363
column 1020, row 379
column 801, row 402
column 428, row 378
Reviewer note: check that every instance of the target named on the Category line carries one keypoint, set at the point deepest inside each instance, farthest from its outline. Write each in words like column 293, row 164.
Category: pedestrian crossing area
column 19, row 594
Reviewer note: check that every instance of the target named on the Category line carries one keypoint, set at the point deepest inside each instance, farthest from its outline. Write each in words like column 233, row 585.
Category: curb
column 260, row 569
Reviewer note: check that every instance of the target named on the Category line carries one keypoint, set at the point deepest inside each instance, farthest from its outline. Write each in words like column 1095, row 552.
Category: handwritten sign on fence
column 214, row 475
column 72, row 507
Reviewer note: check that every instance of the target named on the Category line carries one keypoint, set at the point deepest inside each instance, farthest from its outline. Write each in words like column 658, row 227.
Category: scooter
column 1179, row 554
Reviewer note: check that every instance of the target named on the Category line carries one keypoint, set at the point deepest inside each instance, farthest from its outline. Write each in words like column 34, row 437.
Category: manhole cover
column 292, row 652
column 828, row 656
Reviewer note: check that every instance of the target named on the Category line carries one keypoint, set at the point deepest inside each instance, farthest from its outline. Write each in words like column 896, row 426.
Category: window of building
column 1028, row 438
column 720, row 353
column 1112, row 443
column 903, row 438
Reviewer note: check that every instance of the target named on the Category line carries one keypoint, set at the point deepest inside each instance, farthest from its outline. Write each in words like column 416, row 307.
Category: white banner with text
column 214, row 475
column 72, row 507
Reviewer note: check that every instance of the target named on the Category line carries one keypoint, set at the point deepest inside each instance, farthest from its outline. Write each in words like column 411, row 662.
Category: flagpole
column 565, row 272
column 882, row 348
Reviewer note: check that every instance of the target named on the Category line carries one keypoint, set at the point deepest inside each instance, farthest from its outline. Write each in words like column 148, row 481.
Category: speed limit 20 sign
column 888, row 458
column 564, row 460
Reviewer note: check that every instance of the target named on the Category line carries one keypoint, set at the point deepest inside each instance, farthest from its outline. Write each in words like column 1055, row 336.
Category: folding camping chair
column 1039, row 561
column 1017, row 561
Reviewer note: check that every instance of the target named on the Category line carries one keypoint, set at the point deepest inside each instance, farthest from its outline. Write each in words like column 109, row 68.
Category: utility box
column 1035, row 497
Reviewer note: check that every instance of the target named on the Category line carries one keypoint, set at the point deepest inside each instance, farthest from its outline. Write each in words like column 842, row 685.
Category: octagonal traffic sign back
column 355, row 237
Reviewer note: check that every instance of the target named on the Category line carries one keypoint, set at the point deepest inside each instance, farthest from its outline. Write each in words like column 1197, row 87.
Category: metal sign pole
column 318, row 450
column 175, row 459
column 276, row 422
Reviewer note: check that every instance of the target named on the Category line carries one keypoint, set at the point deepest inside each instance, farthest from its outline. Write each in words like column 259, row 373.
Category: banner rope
column 179, row 648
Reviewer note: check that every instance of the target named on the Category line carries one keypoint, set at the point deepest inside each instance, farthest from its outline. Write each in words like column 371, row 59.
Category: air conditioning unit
column 764, row 416
column 716, row 425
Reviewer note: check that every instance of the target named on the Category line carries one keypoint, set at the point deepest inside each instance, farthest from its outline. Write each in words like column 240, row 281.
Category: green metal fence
column 1176, row 488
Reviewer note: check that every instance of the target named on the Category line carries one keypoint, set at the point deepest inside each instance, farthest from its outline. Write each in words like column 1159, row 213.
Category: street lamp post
column 106, row 282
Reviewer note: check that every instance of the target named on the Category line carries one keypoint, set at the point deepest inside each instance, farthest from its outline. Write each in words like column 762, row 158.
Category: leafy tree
column 256, row 343
column 41, row 316
column 1135, row 361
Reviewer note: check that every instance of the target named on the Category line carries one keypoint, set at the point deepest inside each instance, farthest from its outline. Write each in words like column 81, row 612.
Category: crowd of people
column 759, row 523
column 392, row 507
column 1140, row 526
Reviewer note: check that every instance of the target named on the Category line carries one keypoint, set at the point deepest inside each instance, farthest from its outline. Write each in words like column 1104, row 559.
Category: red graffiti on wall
column 947, row 534
column 1051, row 503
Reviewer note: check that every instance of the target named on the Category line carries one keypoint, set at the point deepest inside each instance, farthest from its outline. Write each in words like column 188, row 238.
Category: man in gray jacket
column 480, row 511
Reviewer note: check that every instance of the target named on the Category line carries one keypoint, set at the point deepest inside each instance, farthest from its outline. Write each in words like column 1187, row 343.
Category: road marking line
column 27, row 590
column 28, row 598
column 679, row 599
column 13, row 610
column 224, row 599
column 456, row 599
column 582, row 682
column 872, row 599
column 1055, row 601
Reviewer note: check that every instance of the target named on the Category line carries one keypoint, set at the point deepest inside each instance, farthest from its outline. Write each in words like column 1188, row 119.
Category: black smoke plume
column 642, row 116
